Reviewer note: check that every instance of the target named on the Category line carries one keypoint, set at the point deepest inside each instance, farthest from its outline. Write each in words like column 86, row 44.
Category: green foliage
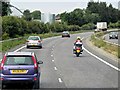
column 88, row 26
column 7, row 45
column 11, row 25
column 107, row 13
column 10, row 44
column 15, row 27
column 5, row 8
column 118, row 24
column 114, row 25
column 98, row 41
column 5, row 36
column 27, row 15
column 73, row 28
column 36, row 15
column 0, row 47
column 95, row 12
column 73, row 18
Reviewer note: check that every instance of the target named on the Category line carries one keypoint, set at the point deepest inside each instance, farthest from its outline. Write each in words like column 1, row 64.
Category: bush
column 5, row 36
column 73, row 28
column 114, row 25
column 11, row 25
column 88, row 26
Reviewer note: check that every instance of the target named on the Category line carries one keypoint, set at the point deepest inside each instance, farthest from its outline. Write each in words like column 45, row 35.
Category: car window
column 16, row 60
column 66, row 32
column 33, row 38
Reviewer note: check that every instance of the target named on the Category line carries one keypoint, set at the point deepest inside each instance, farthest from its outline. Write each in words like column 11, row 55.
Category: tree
column 91, row 17
column 73, row 18
column 36, row 14
column 107, row 13
column 27, row 15
column 11, row 25
column 5, row 8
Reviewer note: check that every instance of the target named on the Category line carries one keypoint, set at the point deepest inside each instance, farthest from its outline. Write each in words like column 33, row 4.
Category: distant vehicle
column 101, row 26
column 20, row 68
column 34, row 41
column 65, row 34
column 113, row 35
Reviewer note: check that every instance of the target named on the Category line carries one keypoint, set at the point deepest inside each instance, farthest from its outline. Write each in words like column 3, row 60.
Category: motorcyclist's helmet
column 78, row 38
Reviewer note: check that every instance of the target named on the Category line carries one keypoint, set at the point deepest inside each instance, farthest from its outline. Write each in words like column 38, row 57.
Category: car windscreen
column 33, row 38
column 65, row 33
column 19, row 60
column 113, row 33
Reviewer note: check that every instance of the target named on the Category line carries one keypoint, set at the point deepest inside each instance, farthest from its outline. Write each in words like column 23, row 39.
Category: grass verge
column 98, row 41
column 5, row 46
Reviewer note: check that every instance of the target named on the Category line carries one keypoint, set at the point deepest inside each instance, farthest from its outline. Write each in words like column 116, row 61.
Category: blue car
column 21, row 68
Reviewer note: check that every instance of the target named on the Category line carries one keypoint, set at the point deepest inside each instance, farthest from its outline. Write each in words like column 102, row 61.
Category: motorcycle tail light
column 78, row 48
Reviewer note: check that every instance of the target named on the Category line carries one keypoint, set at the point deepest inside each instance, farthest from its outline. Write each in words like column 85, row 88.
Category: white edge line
column 52, row 60
column 102, row 60
column 17, row 50
column 60, row 80
column 20, row 48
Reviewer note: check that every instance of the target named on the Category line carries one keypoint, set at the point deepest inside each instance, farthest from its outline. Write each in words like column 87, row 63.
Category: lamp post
column 16, row 8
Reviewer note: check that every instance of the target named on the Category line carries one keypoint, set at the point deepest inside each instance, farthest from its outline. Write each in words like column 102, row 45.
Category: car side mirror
column 40, row 62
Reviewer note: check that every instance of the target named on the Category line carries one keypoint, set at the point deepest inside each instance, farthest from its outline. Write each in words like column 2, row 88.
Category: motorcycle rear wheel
column 77, row 55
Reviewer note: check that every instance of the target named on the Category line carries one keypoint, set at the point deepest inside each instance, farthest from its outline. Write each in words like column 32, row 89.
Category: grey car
column 113, row 35
column 34, row 41
column 65, row 34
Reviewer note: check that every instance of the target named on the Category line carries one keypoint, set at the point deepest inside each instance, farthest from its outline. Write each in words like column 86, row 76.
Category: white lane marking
column 82, row 38
column 20, row 48
column 112, row 66
column 60, row 80
column 51, row 55
column 55, row 68
column 17, row 50
column 52, row 60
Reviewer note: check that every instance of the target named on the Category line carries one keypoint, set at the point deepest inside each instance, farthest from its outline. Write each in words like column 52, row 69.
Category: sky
column 54, row 6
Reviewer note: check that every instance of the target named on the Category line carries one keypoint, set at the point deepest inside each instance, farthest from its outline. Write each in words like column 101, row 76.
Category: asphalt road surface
column 62, row 69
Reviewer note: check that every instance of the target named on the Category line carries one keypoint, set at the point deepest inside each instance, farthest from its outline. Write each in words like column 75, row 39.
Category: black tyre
column 77, row 55
column 2, row 86
column 27, row 47
column 40, row 47
column 36, row 85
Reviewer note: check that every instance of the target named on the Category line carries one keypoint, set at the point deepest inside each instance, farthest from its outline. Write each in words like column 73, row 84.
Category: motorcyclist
column 77, row 43
column 78, row 39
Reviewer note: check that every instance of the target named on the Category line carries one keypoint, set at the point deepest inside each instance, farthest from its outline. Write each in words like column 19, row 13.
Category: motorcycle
column 78, row 51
